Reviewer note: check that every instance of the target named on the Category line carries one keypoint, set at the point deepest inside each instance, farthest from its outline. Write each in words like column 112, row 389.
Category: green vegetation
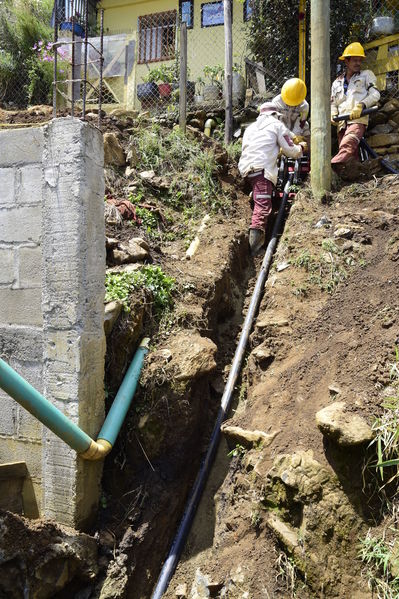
column 386, row 428
column 325, row 270
column 239, row 452
column 190, row 169
column 380, row 556
column 26, row 67
column 150, row 279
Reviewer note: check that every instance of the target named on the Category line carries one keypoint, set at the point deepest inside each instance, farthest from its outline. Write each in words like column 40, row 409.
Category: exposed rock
column 245, row 437
column 111, row 242
column 262, row 353
column 124, row 114
column 199, row 589
column 43, row 557
column 148, row 175
column 385, row 128
column 393, row 124
column 125, row 268
column 130, row 252
column 141, row 242
column 112, row 215
column 388, row 139
column 111, row 315
column 391, row 106
column 181, row 591
column 343, row 427
column 343, row 232
column 378, row 118
column 285, row 534
column 395, row 117
column 113, row 152
column 192, row 355
column 269, row 319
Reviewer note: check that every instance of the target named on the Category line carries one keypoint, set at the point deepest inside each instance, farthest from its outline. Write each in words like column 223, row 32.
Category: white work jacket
column 294, row 117
column 261, row 144
column 361, row 88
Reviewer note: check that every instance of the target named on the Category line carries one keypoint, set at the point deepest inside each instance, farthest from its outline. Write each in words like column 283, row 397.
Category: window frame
column 213, row 24
column 191, row 13
column 149, row 23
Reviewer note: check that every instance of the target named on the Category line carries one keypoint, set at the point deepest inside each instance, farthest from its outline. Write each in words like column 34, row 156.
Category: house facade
column 145, row 36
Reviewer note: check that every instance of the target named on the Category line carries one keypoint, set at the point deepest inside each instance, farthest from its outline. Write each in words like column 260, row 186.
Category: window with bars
column 157, row 34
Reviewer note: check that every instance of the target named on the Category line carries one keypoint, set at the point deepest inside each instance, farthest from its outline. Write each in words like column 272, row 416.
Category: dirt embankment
column 283, row 517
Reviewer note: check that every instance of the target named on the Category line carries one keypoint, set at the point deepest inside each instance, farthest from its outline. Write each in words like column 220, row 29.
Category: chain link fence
column 141, row 69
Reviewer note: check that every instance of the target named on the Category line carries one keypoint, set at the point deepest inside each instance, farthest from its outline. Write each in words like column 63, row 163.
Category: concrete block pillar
column 73, row 259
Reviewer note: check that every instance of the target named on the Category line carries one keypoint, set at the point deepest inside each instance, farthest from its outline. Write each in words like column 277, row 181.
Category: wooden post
column 302, row 40
column 228, row 71
column 183, row 78
column 320, row 94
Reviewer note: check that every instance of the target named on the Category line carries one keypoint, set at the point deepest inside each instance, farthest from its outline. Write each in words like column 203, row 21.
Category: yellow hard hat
column 354, row 49
column 293, row 91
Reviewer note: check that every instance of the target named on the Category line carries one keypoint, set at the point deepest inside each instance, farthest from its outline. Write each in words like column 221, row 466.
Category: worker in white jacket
column 260, row 147
column 350, row 93
column 292, row 105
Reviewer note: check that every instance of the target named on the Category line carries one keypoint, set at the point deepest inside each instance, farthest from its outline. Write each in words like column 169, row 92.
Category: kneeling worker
column 350, row 93
column 292, row 105
column 260, row 147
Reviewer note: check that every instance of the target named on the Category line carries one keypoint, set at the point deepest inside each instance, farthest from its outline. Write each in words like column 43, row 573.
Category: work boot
column 256, row 240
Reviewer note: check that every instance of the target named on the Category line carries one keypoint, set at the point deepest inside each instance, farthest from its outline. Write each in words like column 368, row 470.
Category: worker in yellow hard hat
column 351, row 92
column 292, row 105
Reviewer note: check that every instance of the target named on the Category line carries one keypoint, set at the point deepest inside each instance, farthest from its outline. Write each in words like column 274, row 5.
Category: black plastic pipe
column 202, row 476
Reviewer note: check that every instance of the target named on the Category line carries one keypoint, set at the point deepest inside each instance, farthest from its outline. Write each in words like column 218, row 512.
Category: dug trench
column 294, row 485
column 294, row 489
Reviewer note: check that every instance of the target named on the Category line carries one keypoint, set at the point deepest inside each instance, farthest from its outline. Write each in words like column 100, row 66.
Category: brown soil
column 328, row 323
column 317, row 341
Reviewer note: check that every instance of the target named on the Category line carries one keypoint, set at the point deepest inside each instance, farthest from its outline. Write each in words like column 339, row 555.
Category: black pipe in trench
column 202, row 476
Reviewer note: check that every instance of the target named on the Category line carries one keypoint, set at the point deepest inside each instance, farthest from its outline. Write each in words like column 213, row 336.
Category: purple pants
column 349, row 139
column 262, row 196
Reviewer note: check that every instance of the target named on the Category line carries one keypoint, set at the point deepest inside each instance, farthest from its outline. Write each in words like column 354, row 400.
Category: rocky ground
column 293, row 487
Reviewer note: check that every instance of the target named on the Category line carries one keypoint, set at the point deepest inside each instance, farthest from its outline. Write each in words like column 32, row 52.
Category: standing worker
column 260, row 147
column 350, row 93
column 292, row 105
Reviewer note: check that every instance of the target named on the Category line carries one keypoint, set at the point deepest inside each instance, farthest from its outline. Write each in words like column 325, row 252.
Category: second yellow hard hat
column 354, row 49
column 293, row 91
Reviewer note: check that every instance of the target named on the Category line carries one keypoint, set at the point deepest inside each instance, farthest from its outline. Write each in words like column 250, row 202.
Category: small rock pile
column 383, row 131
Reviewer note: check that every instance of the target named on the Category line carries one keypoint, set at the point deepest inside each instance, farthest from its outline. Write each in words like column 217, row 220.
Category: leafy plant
column 378, row 555
column 386, row 428
column 24, row 74
column 239, row 451
column 152, row 279
column 215, row 74
column 162, row 74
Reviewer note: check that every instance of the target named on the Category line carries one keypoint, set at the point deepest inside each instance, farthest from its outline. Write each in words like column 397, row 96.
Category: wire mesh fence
column 141, row 69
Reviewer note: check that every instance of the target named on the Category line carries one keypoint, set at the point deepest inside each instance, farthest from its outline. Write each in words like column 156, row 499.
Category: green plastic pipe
column 33, row 401
column 123, row 399
column 30, row 399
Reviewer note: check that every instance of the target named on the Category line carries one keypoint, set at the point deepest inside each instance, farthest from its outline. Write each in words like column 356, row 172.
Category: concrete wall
column 52, row 268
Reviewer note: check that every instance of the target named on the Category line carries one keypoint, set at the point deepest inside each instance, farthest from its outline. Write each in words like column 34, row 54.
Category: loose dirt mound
column 326, row 331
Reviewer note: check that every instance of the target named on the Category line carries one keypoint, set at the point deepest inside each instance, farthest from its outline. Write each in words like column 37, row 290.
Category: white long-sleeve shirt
column 294, row 117
column 361, row 88
column 261, row 144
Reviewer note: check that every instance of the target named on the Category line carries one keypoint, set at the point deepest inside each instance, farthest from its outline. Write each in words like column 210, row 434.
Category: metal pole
column 320, row 93
column 55, row 48
column 302, row 40
column 73, row 60
column 100, row 91
column 183, row 78
column 228, row 71
column 85, row 59
column 202, row 476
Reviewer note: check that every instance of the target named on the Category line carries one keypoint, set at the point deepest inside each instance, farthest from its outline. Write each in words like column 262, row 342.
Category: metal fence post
column 183, row 78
